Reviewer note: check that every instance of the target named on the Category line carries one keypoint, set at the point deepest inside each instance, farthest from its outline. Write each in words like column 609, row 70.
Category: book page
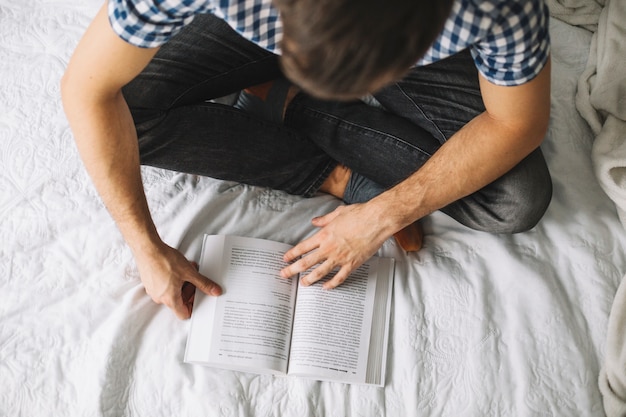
column 250, row 323
column 379, row 338
column 331, row 332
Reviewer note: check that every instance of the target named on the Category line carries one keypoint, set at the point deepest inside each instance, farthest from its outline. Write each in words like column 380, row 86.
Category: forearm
column 482, row 151
column 106, row 140
column 513, row 125
column 103, row 126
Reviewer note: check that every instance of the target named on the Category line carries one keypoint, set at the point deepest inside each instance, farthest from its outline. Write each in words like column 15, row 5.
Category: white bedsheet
column 482, row 325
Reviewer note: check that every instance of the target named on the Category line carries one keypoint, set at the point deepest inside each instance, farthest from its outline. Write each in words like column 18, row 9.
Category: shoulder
column 516, row 45
column 256, row 20
column 491, row 15
column 508, row 39
column 150, row 23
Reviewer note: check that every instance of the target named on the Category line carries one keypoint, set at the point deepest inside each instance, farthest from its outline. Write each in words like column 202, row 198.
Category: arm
column 513, row 125
column 107, row 142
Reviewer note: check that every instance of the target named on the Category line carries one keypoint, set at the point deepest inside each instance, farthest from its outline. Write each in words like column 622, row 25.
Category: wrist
column 142, row 239
column 393, row 212
column 148, row 247
column 387, row 218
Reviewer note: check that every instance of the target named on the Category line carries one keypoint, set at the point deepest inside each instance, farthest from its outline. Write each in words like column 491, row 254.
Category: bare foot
column 411, row 237
column 291, row 93
column 262, row 91
column 336, row 183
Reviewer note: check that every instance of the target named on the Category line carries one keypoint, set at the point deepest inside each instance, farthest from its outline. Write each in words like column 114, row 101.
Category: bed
column 482, row 325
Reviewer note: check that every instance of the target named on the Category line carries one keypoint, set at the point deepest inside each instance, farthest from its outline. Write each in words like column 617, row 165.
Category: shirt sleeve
column 517, row 46
column 151, row 23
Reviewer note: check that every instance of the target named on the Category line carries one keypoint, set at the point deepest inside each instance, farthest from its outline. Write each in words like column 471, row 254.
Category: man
column 450, row 137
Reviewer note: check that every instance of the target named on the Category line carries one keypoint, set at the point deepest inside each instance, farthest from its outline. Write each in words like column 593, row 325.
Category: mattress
column 482, row 324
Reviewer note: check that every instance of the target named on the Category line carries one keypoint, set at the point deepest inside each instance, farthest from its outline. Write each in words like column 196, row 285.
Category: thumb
column 322, row 221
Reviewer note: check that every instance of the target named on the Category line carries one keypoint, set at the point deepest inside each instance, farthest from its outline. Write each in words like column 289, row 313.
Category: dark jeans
column 179, row 129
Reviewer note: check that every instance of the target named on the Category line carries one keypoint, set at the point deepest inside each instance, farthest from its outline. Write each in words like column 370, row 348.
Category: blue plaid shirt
column 508, row 39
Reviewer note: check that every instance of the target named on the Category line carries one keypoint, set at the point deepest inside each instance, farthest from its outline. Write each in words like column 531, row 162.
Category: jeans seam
column 224, row 109
column 344, row 124
column 307, row 187
column 177, row 99
column 421, row 111
column 317, row 183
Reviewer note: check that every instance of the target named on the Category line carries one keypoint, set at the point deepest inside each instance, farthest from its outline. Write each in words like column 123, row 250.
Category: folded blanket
column 601, row 100
column 582, row 13
column 613, row 374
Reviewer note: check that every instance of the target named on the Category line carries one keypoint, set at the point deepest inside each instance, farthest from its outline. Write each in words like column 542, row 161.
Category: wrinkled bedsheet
column 482, row 325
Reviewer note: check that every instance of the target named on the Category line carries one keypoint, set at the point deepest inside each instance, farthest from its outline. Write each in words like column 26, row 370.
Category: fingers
column 304, row 263
column 318, row 273
column 347, row 238
column 307, row 246
column 179, row 307
column 188, row 293
column 312, row 243
column 339, row 278
column 300, row 249
column 205, row 285
column 175, row 284
column 182, row 304
column 314, row 257
column 323, row 271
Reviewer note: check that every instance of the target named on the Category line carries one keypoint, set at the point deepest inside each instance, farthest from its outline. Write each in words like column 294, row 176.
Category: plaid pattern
column 151, row 23
column 508, row 39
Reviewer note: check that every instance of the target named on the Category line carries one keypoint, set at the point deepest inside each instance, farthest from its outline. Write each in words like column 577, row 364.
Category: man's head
column 347, row 48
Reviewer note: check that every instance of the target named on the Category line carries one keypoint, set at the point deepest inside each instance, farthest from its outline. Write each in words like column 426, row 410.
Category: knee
column 529, row 193
column 523, row 212
column 508, row 215
column 512, row 204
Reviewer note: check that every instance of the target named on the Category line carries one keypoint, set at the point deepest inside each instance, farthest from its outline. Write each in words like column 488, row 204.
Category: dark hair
column 341, row 48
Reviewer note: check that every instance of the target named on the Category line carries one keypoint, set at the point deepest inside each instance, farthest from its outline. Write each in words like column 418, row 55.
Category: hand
column 170, row 279
column 349, row 236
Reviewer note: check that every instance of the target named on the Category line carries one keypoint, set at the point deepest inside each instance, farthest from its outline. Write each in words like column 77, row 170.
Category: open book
column 263, row 323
